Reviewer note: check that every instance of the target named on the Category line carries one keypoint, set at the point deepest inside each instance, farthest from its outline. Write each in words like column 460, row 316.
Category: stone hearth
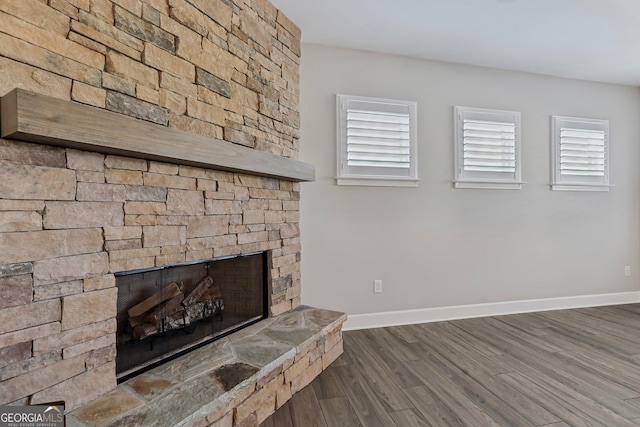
column 238, row 380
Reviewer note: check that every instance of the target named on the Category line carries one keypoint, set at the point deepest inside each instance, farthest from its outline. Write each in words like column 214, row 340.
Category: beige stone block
column 186, row 14
column 161, row 235
column 205, row 226
column 280, row 308
column 207, row 185
column 274, row 217
column 161, row 180
column 297, row 369
column 134, row 253
column 21, row 205
column 126, row 163
column 148, row 94
column 260, row 236
column 100, row 356
column 306, row 377
column 29, row 334
column 19, row 75
column 105, row 39
column 61, row 215
column 116, row 266
column 145, row 208
column 32, row 154
column 130, row 69
column 80, row 389
column 27, row 316
column 199, row 254
column 118, row 245
column 197, row 244
column 57, row 290
column 36, row 245
column 39, row 379
column 163, row 168
column 225, row 421
column 69, row 268
column 196, row 126
column 90, row 176
column 182, row 202
column 15, row 290
column 222, row 207
column 162, row 60
column 170, row 259
column 173, row 102
column 173, row 249
column 330, row 356
column 119, row 176
column 178, row 85
column 141, row 193
column 216, row 195
column 253, row 217
column 24, row 182
column 37, row 14
column 121, row 233
column 99, row 282
column 87, row 346
column 89, row 307
column 95, row 192
column 283, row 394
column 20, row 221
column 206, row 112
column 90, row 95
column 85, row 160
column 289, row 230
column 216, row 10
column 131, row 220
column 22, row 51
column 72, row 337
column 192, row 171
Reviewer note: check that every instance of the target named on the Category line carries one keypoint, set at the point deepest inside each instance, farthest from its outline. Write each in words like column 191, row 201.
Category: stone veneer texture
column 69, row 219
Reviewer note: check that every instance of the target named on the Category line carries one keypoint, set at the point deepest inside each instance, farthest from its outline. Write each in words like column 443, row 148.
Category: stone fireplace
column 171, row 123
column 164, row 312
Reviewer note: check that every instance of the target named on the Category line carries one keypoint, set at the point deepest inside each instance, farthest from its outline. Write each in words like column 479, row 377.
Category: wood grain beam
column 31, row 117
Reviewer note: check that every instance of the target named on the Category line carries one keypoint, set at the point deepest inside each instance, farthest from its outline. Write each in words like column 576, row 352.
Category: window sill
column 580, row 187
column 375, row 181
column 489, row 185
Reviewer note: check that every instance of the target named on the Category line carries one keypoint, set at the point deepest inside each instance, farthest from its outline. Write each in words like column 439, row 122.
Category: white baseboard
column 438, row 314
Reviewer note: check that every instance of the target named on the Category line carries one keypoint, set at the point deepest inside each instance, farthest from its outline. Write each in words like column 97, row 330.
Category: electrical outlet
column 377, row 286
column 627, row 270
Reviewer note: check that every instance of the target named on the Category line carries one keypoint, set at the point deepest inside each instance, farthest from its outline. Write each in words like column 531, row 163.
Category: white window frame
column 404, row 176
column 469, row 176
column 572, row 182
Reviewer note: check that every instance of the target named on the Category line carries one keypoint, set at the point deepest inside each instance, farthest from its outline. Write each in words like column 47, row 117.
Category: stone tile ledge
column 240, row 379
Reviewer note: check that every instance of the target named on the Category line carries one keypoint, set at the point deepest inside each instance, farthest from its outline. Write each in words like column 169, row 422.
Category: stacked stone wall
column 69, row 219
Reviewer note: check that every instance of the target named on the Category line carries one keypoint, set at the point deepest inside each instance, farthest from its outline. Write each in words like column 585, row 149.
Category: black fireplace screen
column 165, row 312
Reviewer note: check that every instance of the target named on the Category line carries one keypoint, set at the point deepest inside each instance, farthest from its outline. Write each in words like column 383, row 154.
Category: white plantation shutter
column 487, row 148
column 376, row 141
column 580, row 154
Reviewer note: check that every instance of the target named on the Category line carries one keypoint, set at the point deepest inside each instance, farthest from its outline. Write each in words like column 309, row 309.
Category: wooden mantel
column 31, row 117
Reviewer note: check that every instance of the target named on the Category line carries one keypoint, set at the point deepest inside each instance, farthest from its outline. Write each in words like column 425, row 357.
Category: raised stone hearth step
column 240, row 379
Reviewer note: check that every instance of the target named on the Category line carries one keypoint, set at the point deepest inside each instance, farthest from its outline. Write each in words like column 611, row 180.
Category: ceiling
column 595, row 40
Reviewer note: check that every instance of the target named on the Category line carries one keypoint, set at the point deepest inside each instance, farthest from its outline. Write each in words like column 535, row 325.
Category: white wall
column 436, row 246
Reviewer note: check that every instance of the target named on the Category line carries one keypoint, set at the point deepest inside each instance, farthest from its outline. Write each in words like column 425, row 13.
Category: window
column 376, row 142
column 580, row 154
column 487, row 148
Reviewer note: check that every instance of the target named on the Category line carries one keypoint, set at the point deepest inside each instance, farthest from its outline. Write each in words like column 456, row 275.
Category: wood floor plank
column 339, row 413
column 432, row 408
column 477, row 368
column 305, row 409
column 362, row 397
column 410, row 418
column 326, row 385
column 380, row 377
column 550, row 369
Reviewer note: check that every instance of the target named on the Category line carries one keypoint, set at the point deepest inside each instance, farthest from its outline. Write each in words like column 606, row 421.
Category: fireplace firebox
column 166, row 311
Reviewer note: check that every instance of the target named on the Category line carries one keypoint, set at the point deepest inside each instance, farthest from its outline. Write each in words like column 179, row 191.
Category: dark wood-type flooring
column 558, row 368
